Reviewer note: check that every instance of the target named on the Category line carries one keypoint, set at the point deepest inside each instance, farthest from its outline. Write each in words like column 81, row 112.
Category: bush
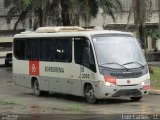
column 151, row 70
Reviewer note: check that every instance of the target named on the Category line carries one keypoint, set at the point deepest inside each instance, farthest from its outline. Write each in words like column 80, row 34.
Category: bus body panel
column 22, row 80
column 70, row 77
column 20, row 66
column 102, row 90
column 131, row 81
column 76, row 83
column 21, row 73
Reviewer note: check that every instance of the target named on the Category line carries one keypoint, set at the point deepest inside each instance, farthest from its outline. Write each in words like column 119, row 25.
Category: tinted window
column 78, row 50
column 19, row 48
column 6, row 46
column 47, row 49
column 32, row 49
column 84, row 53
column 9, row 55
column 63, row 51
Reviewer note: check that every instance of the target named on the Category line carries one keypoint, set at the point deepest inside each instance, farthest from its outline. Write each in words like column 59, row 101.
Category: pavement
column 2, row 61
column 154, row 92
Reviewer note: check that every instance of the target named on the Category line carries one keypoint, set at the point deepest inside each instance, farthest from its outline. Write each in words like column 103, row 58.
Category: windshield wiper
column 134, row 62
column 116, row 64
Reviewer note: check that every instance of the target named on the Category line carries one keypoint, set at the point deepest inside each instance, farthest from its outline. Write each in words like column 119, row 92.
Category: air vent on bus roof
column 59, row 29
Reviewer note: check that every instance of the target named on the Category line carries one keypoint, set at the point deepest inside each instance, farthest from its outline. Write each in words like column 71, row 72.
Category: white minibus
column 95, row 64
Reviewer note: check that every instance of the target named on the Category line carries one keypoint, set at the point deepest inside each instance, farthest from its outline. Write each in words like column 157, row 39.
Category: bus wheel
column 36, row 89
column 90, row 95
column 136, row 98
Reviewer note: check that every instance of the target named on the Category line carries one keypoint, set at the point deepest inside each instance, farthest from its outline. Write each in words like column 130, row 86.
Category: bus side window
column 63, row 50
column 78, row 51
column 47, row 48
column 32, row 49
column 19, row 48
column 84, row 53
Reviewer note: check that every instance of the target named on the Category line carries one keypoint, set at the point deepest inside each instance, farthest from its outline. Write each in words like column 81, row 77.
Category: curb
column 154, row 92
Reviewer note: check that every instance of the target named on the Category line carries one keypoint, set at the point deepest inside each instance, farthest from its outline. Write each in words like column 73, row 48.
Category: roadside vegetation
column 74, row 107
column 8, row 102
column 155, row 77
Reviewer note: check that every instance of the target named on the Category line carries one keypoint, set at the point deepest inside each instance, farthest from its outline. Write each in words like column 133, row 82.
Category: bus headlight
column 142, row 83
column 146, row 82
column 109, row 84
column 103, row 83
column 108, row 81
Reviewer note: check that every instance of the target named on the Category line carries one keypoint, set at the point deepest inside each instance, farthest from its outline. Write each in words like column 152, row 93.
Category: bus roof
column 66, row 31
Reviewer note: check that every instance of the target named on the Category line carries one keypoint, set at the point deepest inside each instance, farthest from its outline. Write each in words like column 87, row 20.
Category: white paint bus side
column 69, row 82
column 71, row 77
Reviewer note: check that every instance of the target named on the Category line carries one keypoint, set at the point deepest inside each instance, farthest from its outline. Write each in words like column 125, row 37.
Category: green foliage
column 26, row 2
column 154, row 34
column 75, row 108
column 109, row 6
column 144, row 36
column 155, row 77
column 60, row 12
column 8, row 102
column 150, row 70
column 146, row 33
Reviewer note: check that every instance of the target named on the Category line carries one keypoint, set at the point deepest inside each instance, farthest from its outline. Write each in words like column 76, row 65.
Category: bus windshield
column 118, row 51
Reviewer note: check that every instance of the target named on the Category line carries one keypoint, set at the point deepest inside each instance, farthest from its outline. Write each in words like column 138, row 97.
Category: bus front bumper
column 102, row 92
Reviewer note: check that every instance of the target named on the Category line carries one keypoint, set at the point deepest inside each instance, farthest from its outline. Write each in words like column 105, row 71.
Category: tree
column 60, row 12
column 74, row 10
column 140, row 9
column 90, row 8
column 37, row 11
column 16, row 7
column 158, row 1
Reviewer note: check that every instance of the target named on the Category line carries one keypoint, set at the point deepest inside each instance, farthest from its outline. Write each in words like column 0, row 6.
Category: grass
column 75, row 108
column 155, row 77
column 8, row 102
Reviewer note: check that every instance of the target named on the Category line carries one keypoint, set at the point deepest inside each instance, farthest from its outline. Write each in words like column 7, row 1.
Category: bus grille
column 127, row 92
column 127, row 75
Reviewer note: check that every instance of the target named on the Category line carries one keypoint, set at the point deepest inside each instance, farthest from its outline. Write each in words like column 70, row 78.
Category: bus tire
column 136, row 98
column 37, row 91
column 90, row 95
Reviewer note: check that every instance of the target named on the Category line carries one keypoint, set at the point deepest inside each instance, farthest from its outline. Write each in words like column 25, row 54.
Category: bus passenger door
column 75, row 81
column 84, row 66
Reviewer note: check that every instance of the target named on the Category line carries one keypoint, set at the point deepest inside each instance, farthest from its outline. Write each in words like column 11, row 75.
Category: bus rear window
column 19, row 49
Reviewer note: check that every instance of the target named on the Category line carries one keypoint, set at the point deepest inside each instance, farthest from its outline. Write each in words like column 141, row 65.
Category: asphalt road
column 21, row 101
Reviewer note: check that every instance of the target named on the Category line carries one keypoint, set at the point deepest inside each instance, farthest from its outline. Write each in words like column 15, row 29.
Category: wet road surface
column 22, row 101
